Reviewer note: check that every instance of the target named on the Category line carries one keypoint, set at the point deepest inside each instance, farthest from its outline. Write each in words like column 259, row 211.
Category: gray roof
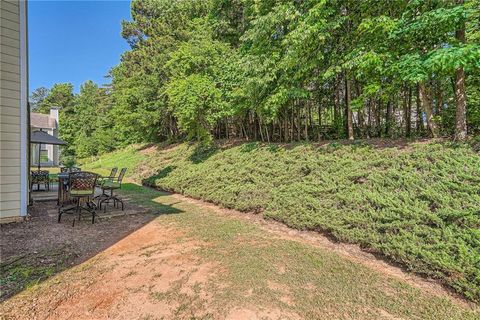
column 45, row 138
column 40, row 120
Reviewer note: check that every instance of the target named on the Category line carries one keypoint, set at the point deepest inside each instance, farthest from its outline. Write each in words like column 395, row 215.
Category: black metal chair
column 110, row 177
column 102, row 180
column 40, row 177
column 111, row 185
column 81, row 187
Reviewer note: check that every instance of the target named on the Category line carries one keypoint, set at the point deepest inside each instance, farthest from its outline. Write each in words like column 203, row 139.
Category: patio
column 45, row 195
column 51, row 196
column 39, row 248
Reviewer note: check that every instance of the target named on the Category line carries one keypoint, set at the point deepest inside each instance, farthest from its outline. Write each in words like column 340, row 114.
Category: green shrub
column 419, row 204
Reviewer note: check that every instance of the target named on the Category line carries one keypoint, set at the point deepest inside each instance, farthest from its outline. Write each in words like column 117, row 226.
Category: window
column 43, row 156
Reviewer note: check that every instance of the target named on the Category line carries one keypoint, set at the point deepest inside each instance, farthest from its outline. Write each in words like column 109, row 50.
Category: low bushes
column 418, row 204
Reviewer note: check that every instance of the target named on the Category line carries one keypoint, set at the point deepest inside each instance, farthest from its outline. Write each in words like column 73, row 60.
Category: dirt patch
column 38, row 248
column 148, row 150
column 146, row 274
column 352, row 252
column 257, row 314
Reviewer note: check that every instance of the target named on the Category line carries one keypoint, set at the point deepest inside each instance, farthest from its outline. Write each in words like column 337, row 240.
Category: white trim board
column 23, row 108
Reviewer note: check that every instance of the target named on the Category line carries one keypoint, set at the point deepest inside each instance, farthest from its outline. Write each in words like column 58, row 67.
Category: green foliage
column 416, row 204
column 279, row 70
column 129, row 158
column 61, row 96
column 93, row 135
column 196, row 103
column 37, row 97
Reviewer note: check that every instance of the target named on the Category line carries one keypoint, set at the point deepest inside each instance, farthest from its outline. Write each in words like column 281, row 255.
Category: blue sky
column 74, row 41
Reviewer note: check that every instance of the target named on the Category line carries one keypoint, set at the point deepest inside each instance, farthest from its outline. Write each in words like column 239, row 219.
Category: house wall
column 13, row 110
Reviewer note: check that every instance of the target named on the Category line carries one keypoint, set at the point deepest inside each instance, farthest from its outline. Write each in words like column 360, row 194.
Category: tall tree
column 37, row 97
column 460, row 98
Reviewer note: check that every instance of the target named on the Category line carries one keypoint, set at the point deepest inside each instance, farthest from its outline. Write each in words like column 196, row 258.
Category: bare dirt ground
column 350, row 251
column 203, row 262
column 38, row 248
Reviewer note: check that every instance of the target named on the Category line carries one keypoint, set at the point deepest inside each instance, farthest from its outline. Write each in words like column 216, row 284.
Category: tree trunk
column 361, row 112
column 348, row 111
column 306, row 124
column 369, row 118
column 336, row 105
column 388, row 119
column 419, row 121
column 408, row 112
column 439, row 99
column 378, row 117
column 319, row 122
column 461, row 110
column 427, row 107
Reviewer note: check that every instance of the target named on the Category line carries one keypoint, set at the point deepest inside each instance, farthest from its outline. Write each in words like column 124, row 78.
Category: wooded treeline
column 282, row 71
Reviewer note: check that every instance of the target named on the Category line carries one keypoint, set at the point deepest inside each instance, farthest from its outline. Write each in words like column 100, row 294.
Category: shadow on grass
column 202, row 152
column 331, row 145
column 150, row 181
column 148, row 198
column 40, row 248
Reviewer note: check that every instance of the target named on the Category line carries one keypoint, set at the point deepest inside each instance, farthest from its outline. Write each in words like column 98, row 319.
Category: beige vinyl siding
column 10, row 119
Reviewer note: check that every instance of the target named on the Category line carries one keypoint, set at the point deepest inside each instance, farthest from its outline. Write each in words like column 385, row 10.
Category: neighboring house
column 49, row 154
column 14, row 138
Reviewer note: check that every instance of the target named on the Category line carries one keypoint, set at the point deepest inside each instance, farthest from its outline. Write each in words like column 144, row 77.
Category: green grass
column 307, row 281
column 418, row 205
column 128, row 157
column 27, row 271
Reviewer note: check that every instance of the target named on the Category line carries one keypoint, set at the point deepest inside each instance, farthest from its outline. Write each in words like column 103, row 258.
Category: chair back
column 39, row 176
column 70, row 169
column 121, row 175
column 113, row 173
column 83, row 181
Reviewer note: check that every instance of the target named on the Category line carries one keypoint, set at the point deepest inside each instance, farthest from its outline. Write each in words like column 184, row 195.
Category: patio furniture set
column 76, row 190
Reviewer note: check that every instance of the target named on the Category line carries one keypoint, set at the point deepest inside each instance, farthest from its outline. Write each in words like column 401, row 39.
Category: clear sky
column 74, row 41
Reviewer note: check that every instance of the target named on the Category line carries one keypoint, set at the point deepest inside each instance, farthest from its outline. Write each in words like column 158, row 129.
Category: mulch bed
column 38, row 248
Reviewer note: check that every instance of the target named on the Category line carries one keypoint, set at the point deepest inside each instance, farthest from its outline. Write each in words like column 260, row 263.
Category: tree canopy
column 282, row 70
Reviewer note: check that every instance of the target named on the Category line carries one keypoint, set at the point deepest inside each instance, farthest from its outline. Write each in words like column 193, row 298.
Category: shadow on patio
column 34, row 250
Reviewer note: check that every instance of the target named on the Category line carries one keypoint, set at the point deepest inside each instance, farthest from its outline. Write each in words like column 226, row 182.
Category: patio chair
column 111, row 185
column 102, row 180
column 81, row 188
column 40, row 177
column 110, row 177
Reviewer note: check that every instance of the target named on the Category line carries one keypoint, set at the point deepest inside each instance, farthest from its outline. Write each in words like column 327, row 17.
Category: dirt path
column 201, row 262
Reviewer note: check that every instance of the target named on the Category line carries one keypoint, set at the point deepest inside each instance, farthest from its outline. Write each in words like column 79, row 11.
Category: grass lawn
column 416, row 203
column 129, row 157
column 194, row 263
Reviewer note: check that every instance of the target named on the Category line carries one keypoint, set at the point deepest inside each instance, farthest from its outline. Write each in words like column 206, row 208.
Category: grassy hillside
column 418, row 203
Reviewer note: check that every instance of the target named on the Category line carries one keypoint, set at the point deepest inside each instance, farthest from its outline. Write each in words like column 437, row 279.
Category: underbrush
column 418, row 203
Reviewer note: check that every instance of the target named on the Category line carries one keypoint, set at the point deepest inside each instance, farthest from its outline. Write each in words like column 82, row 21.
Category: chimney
column 54, row 114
